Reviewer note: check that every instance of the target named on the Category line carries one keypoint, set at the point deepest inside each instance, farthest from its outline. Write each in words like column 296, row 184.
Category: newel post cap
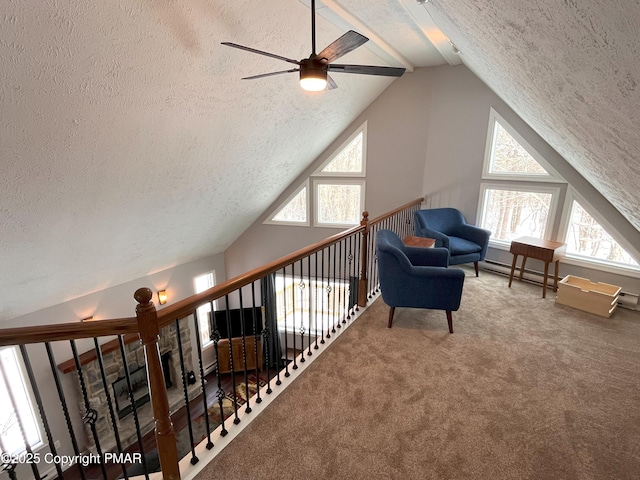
column 143, row 296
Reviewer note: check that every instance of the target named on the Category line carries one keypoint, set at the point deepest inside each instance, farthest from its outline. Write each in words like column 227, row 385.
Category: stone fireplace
column 119, row 391
column 139, row 390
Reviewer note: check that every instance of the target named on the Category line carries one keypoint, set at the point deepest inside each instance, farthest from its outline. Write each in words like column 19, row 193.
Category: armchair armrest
column 441, row 239
column 435, row 257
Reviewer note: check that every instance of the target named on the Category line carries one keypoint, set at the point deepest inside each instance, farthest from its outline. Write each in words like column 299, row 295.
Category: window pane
column 508, row 157
column 587, row 238
column 202, row 283
column 312, row 308
column 511, row 214
column 349, row 160
column 338, row 203
column 11, row 435
column 295, row 210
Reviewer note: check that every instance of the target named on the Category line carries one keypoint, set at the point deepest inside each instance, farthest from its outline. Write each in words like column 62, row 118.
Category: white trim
column 552, row 175
column 206, row 308
column 432, row 32
column 275, row 211
column 28, row 391
column 337, row 181
column 363, row 172
column 520, row 187
column 189, row 471
column 345, row 20
column 599, row 264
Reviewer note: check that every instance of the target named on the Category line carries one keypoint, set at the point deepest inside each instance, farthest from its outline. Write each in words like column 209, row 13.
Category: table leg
column 513, row 267
column 555, row 277
column 524, row 262
column 546, row 276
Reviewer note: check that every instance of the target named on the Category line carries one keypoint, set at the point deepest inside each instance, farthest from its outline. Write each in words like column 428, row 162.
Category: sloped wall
column 426, row 137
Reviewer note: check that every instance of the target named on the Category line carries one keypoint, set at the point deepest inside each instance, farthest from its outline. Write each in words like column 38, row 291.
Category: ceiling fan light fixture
column 313, row 79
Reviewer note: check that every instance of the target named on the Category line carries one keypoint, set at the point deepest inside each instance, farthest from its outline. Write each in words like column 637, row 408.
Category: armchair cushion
column 466, row 243
column 460, row 246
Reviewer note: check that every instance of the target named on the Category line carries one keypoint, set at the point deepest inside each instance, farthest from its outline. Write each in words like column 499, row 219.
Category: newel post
column 149, row 332
column 362, row 283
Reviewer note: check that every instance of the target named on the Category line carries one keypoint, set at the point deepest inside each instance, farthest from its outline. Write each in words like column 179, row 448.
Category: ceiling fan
column 314, row 71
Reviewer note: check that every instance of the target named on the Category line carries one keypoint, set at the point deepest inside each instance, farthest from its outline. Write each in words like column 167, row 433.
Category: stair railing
column 323, row 266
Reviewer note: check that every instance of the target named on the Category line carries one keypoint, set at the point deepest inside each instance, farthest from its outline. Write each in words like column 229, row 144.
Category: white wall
column 396, row 136
column 426, row 137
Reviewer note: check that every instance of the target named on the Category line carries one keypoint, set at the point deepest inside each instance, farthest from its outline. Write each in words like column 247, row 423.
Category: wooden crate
column 580, row 293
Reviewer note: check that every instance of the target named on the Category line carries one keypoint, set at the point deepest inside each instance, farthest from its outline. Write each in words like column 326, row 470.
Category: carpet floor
column 524, row 389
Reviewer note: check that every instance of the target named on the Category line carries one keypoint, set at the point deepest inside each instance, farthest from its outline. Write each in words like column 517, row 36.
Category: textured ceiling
column 128, row 144
column 570, row 69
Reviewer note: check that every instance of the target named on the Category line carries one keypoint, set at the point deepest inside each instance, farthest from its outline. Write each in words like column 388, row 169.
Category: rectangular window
column 202, row 283
column 12, row 384
column 339, row 203
column 510, row 213
column 312, row 306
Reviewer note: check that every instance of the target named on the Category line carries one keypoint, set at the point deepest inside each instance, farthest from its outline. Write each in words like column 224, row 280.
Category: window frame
column 270, row 218
column 205, row 308
column 337, row 181
column 32, row 404
column 363, row 172
column 555, row 192
column 314, row 322
column 552, row 175
column 589, row 262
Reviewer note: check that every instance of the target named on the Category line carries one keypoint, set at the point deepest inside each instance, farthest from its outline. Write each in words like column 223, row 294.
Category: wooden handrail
column 187, row 306
column 67, row 331
column 182, row 308
column 397, row 210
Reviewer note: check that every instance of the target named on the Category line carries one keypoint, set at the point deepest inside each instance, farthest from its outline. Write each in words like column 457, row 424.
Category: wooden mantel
column 91, row 355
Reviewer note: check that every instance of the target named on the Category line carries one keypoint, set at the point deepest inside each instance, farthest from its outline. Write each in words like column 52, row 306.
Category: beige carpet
column 524, row 389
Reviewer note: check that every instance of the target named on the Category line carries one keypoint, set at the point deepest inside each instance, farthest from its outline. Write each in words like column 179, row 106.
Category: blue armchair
column 417, row 277
column 466, row 243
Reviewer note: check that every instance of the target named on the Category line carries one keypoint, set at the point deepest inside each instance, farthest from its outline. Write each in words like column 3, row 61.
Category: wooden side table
column 412, row 241
column 544, row 250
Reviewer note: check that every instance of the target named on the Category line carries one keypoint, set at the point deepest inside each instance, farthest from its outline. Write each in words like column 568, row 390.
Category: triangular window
column 587, row 238
column 510, row 156
column 294, row 210
column 349, row 160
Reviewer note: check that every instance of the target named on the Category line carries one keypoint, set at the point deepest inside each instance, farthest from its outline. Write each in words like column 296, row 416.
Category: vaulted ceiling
column 129, row 144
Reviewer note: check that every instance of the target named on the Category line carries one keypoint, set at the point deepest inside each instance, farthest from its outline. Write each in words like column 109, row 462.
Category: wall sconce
column 88, row 319
column 162, row 297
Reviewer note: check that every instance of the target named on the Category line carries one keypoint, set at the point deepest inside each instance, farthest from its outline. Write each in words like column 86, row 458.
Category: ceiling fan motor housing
column 313, row 67
column 313, row 74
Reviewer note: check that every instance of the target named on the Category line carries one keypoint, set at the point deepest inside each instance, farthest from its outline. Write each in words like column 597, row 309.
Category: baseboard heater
column 626, row 300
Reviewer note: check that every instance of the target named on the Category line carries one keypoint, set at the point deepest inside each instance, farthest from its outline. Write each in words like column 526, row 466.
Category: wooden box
column 224, row 364
column 580, row 293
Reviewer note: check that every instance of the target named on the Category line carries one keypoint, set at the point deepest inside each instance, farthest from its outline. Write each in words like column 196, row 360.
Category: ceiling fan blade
column 260, row 52
column 262, row 75
column 343, row 45
column 331, row 84
column 368, row 70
